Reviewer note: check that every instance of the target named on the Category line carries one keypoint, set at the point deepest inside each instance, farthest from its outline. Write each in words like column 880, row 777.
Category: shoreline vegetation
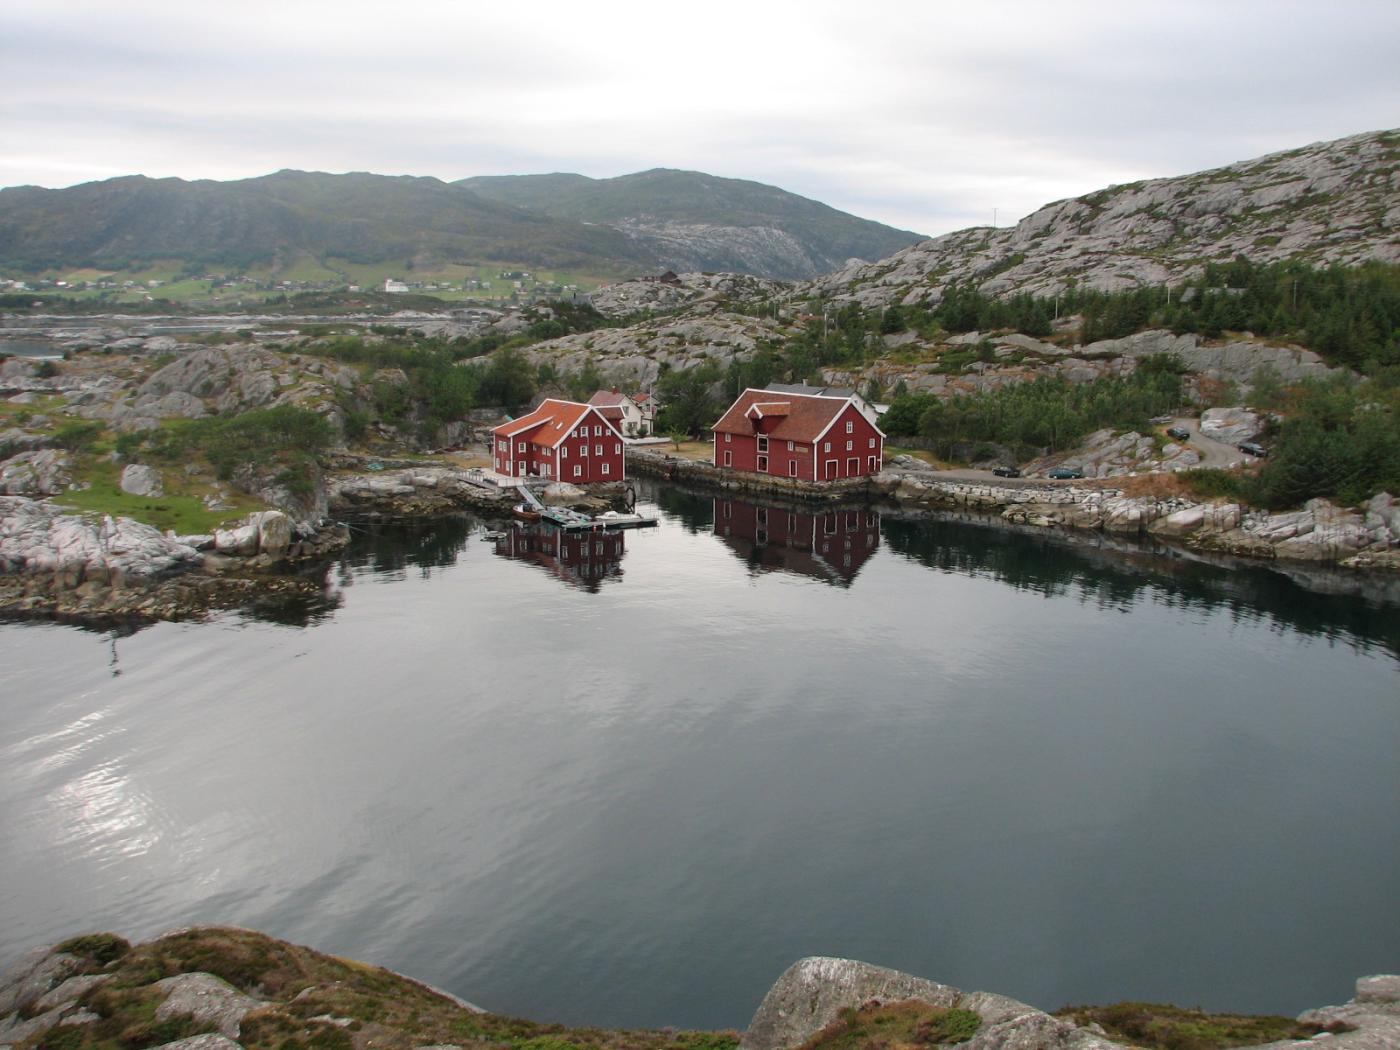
column 229, row 988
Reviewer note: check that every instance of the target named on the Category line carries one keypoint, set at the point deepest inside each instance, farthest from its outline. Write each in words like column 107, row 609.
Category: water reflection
column 580, row 559
column 831, row 544
column 1119, row 574
column 391, row 549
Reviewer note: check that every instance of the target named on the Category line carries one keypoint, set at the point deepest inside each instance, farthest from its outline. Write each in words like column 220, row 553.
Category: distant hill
column 694, row 221
column 560, row 222
column 1330, row 202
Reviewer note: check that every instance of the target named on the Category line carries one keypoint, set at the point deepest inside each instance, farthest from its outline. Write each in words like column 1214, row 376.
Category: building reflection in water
column 580, row 559
column 830, row 545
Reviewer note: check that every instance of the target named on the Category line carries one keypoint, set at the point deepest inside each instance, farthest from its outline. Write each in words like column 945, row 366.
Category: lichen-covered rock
column 812, row 993
column 38, row 539
column 34, row 975
column 42, row 473
column 138, row 479
column 206, row 999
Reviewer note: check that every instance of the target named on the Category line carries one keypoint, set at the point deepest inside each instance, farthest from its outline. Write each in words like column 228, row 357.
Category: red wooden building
column 802, row 436
column 561, row 441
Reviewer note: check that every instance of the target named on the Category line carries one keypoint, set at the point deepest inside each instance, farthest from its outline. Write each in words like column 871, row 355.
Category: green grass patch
column 98, row 948
column 1160, row 1026
column 896, row 1026
column 181, row 508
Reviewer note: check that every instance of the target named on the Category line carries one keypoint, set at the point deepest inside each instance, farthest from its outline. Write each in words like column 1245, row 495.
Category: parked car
column 1065, row 474
column 1179, row 433
column 1251, row 448
column 1007, row 472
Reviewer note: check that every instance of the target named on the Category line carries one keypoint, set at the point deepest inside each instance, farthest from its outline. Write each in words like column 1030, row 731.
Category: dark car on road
column 1065, row 474
column 1251, row 448
column 1179, row 433
column 1007, row 472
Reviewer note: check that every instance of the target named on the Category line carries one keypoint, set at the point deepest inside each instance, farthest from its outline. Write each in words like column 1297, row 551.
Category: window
column 826, row 446
column 850, row 445
column 728, row 458
column 597, row 450
column 578, row 471
column 792, row 468
column 617, row 448
column 597, row 430
column 607, row 468
column 520, row 447
column 583, row 450
column 872, row 442
column 762, row 443
column 850, row 426
column 789, row 446
column 728, row 438
column 563, row 451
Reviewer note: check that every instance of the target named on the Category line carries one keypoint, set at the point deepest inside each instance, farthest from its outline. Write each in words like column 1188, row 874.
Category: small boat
column 524, row 512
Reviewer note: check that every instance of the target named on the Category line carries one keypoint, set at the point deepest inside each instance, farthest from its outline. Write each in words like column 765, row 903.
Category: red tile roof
column 554, row 419
column 804, row 417
column 607, row 397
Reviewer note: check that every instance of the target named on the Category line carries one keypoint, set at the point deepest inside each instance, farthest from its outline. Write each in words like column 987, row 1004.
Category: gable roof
column 607, row 397
column 552, row 422
column 804, row 417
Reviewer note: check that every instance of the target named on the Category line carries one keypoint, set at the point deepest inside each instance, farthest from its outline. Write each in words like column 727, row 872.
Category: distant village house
column 633, row 414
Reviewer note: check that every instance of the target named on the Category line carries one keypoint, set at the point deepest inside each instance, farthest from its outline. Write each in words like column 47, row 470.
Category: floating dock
column 574, row 521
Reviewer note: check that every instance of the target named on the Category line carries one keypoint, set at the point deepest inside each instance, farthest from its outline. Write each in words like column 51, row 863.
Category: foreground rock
column 54, row 562
column 813, row 992
column 224, row 988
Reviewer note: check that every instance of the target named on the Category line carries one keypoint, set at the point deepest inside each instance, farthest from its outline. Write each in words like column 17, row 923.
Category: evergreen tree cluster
column 1048, row 413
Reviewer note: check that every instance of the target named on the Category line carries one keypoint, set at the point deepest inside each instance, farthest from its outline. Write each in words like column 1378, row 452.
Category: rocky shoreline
column 226, row 988
column 1320, row 533
column 99, row 570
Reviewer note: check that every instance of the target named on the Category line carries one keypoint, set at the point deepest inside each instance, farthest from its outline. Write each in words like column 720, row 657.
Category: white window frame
column 826, row 446
column 792, row 467
column 578, row 471
column 872, row 442
column 607, row 469
column 728, row 438
column 850, row 426
column 583, row 449
column 597, row 450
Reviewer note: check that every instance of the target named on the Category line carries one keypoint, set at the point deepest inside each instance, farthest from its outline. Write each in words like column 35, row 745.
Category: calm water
column 631, row 786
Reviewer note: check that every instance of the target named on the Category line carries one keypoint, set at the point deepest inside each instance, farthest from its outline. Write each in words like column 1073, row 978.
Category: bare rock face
column 206, row 999
column 141, row 480
column 812, row 993
column 1323, row 198
column 1230, row 425
column 37, row 539
column 41, row 473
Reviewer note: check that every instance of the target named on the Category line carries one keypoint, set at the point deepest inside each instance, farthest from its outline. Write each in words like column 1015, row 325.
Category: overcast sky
column 924, row 115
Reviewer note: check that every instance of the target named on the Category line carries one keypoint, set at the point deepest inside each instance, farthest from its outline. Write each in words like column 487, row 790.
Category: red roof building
column 802, row 436
column 560, row 441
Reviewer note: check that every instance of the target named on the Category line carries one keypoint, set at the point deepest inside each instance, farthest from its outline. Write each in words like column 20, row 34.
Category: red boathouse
column 560, row 441
column 803, row 436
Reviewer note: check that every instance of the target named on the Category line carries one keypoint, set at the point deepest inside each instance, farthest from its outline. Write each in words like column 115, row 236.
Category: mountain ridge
column 648, row 221
column 1336, row 201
